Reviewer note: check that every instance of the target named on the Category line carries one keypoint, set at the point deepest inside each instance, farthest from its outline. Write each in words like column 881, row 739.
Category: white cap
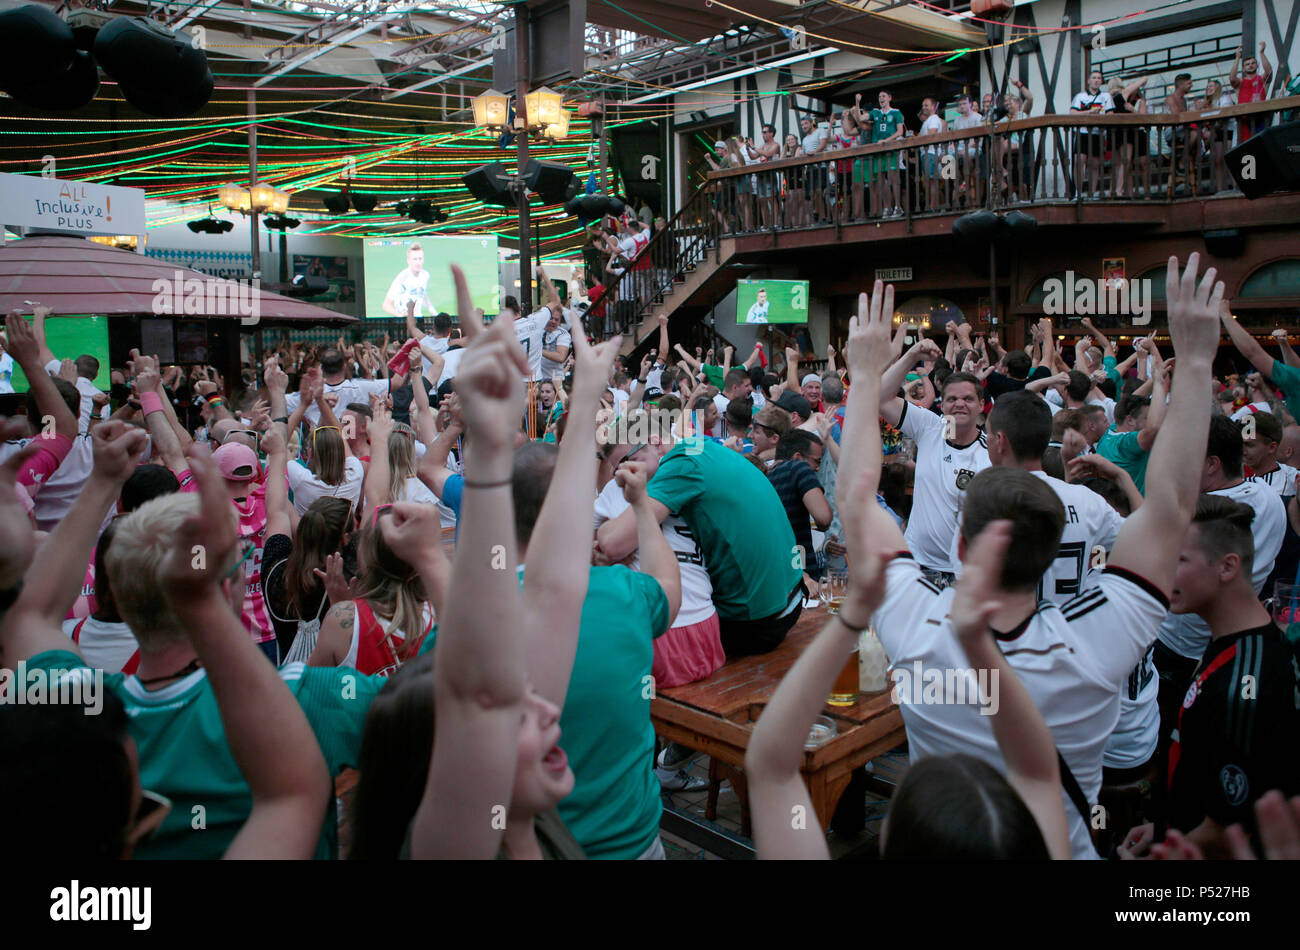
column 810, row 378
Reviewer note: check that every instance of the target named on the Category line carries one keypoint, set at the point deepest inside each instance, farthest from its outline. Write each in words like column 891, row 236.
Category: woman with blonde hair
column 331, row 471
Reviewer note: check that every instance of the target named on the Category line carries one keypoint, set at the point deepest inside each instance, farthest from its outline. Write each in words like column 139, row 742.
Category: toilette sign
column 76, row 207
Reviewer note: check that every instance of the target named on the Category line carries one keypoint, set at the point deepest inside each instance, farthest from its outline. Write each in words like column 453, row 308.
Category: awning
column 73, row 275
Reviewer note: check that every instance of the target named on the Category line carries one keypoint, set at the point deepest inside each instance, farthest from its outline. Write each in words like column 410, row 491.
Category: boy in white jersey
column 411, row 285
column 950, row 451
column 1261, row 436
column 1072, row 659
column 1019, row 428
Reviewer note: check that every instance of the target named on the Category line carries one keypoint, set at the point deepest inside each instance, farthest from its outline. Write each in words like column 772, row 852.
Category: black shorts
column 747, row 637
column 1091, row 144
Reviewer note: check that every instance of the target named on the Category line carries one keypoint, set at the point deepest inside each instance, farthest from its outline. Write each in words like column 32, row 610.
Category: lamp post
column 251, row 201
column 540, row 111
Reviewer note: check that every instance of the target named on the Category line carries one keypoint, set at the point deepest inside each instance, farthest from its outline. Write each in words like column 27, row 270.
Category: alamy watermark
column 944, row 687
column 209, row 297
column 37, row 686
column 1088, row 297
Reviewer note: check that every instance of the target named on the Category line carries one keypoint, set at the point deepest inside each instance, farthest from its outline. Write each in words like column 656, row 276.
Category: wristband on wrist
column 284, row 419
column 501, row 484
column 150, row 402
column 852, row 627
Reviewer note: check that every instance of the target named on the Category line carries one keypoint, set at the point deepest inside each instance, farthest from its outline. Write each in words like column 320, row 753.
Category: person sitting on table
column 736, row 516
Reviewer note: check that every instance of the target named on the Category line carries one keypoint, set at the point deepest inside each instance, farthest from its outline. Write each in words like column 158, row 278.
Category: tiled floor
column 862, row 846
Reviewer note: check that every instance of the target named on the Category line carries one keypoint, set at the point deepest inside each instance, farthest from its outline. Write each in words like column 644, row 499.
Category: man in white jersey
column 758, row 312
column 1072, row 660
column 531, row 330
column 1261, row 436
column 437, row 341
column 1184, row 637
column 347, row 390
column 410, row 285
column 556, row 345
column 1018, row 430
column 950, row 451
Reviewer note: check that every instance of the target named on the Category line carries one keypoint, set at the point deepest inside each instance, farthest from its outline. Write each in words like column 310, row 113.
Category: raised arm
column 1103, row 341
column 1143, row 545
column 378, row 482
column 26, row 351
column 891, row 380
column 792, row 368
column 776, row 789
column 148, row 386
column 663, row 348
column 283, row 766
column 1023, row 738
column 1159, row 407
column 556, row 584
column 1289, row 356
column 480, row 672
column 53, row 579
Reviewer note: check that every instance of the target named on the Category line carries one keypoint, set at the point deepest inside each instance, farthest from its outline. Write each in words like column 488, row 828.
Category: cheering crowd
column 325, row 565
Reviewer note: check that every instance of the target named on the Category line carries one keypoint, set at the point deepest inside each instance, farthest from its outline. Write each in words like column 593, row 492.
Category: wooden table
column 717, row 715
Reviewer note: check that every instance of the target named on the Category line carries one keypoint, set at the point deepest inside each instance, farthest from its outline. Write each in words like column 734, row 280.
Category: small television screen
column 772, row 301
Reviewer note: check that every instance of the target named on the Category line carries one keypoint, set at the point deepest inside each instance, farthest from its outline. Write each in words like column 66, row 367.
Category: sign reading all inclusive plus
column 78, row 207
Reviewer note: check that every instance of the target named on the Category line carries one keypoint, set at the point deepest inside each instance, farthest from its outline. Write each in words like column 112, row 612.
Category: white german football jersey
column 1187, row 634
column 408, row 287
column 1091, row 526
column 1134, row 740
column 697, row 588
column 1281, row 480
column 530, row 330
column 942, row 473
column 1072, row 660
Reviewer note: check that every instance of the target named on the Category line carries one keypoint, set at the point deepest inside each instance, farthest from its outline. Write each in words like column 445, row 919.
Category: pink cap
column 237, row 462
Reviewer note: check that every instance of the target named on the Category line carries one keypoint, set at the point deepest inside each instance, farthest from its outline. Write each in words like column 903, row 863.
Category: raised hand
column 977, row 597
column 22, row 345
column 413, row 531
column 592, row 363
column 631, row 477
column 871, row 348
column 277, row 380
column 338, row 589
column 1092, row 465
column 205, row 542
column 116, row 448
column 380, row 426
column 490, row 373
column 1195, row 310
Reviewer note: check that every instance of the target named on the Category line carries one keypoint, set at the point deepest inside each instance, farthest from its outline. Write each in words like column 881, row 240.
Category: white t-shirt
column 551, row 340
column 421, row 494
column 1249, row 410
column 436, row 343
column 1071, row 659
column 812, row 140
column 758, row 312
column 972, row 121
column 530, row 330
column 1090, row 523
column 932, row 126
column 1187, row 634
column 106, row 646
column 453, row 361
column 307, row 487
column 6, row 374
column 626, row 247
column 937, row 499
column 1281, row 480
column 697, row 589
column 407, row 287
column 348, row 391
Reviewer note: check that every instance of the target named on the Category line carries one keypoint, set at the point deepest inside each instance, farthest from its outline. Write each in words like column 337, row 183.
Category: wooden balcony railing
column 1045, row 159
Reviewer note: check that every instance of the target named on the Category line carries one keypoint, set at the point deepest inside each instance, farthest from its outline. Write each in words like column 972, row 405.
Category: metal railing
column 673, row 252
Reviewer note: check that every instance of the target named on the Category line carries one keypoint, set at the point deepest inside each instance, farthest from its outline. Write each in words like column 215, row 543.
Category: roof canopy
column 72, row 275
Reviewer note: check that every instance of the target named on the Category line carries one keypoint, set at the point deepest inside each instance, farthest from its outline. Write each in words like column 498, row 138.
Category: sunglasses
column 318, row 429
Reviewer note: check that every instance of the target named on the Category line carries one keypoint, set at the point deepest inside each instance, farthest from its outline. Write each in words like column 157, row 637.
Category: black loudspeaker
column 491, row 185
column 1226, row 243
column 1268, row 161
column 555, row 183
column 364, row 204
column 40, row 65
column 159, row 71
column 980, row 228
column 1020, row 227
